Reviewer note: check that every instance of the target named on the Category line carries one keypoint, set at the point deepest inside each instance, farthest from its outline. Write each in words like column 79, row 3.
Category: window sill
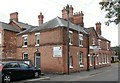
column 81, row 65
column 70, row 44
column 99, row 63
column 108, row 62
column 37, row 45
column 24, row 46
column 71, row 67
column 81, row 45
column 93, row 44
column 91, row 65
column 103, row 63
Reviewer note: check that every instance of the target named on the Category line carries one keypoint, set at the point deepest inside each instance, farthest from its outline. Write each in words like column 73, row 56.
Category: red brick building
column 46, row 44
column 7, row 40
column 99, row 48
column 51, row 46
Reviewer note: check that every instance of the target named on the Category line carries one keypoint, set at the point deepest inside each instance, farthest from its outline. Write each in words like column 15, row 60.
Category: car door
column 12, row 69
column 26, row 69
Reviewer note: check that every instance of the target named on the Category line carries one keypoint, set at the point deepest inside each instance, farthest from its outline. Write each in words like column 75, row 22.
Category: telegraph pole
column 68, row 53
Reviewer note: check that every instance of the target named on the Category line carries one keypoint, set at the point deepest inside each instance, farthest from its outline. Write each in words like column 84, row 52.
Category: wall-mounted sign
column 57, row 51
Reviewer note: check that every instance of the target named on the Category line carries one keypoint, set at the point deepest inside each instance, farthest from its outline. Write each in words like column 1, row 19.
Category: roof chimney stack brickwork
column 98, row 28
column 64, row 13
column 14, row 16
column 40, row 19
column 77, row 18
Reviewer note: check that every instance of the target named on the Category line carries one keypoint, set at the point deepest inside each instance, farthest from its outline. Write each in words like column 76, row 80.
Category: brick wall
column 49, row 39
column 90, row 38
column 9, row 44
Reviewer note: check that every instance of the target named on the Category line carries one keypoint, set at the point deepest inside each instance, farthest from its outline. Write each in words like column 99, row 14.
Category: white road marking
column 45, row 78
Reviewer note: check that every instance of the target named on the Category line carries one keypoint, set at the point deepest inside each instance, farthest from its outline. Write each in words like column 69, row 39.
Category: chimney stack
column 71, row 11
column 14, row 16
column 78, row 18
column 40, row 19
column 64, row 13
column 98, row 28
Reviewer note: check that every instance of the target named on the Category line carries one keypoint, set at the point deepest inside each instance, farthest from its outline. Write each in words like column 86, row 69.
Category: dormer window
column 37, row 35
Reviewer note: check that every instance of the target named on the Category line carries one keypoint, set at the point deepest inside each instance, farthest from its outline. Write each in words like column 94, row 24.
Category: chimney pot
column 78, row 18
column 14, row 16
column 64, row 13
column 40, row 18
column 98, row 28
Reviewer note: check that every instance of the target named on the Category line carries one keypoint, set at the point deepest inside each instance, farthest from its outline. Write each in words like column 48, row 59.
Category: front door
column 37, row 60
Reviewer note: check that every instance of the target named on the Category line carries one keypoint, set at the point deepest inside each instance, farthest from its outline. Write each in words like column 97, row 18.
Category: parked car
column 17, row 70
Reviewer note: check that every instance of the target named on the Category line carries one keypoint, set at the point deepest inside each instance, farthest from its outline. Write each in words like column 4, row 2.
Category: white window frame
column 90, row 60
column 99, row 43
column 71, row 62
column 81, row 59
column 107, row 45
column 107, row 58
column 99, row 59
column 36, row 36
column 24, row 55
column 93, row 40
column 103, row 59
column 80, row 39
column 25, row 36
column 70, row 40
column 0, row 38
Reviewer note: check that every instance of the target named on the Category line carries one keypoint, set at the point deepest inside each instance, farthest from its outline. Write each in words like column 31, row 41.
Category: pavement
column 75, row 76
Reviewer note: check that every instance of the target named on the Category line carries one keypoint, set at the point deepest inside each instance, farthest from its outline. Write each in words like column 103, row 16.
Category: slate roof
column 101, row 37
column 22, row 25
column 88, row 30
column 55, row 23
column 8, row 27
column 28, row 30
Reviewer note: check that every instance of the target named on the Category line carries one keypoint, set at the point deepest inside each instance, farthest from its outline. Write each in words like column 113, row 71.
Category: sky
column 28, row 11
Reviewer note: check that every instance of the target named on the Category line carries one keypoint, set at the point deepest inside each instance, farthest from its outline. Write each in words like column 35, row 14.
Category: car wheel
column 36, row 74
column 6, row 79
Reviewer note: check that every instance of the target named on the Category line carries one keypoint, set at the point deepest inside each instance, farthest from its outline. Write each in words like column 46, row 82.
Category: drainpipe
column 87, row 42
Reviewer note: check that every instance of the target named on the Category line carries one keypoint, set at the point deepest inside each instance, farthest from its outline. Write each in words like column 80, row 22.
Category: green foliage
column 112, row 9
column 117, row 50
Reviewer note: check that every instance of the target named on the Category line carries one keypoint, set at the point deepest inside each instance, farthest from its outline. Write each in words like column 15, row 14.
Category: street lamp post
column 67, row 10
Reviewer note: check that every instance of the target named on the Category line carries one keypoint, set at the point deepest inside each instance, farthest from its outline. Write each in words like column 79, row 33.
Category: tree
column 112, row 8
column 117, row 50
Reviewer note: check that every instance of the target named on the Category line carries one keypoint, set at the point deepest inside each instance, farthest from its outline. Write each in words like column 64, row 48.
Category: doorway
column 37, row 60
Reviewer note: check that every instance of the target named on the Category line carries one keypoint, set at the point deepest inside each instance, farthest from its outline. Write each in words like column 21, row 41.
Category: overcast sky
column 29, row 10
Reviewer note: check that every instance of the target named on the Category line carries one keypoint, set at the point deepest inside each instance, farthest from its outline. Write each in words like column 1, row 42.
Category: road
column 108, row 75
column 102, row 74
